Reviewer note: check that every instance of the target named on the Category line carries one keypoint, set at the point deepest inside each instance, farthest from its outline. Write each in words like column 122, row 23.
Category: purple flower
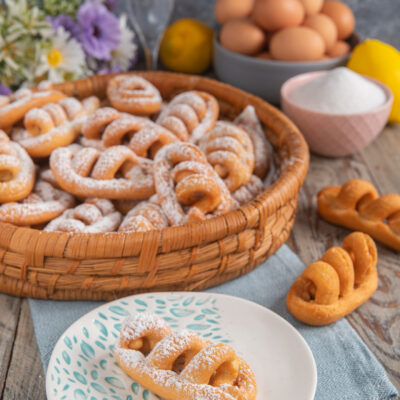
column 100, row 32
column 110, row 4
column 67, row 23
column 109, row 70
column 4, row 90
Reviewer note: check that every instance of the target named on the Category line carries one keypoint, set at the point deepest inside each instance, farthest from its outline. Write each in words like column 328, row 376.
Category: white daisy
column 64, row 60
column 124, row 53
column 16, row 8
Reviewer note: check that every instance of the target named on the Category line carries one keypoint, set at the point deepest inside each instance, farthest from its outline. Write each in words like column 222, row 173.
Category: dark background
column 375, row 18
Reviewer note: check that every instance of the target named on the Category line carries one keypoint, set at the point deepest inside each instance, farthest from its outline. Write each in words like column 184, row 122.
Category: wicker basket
column 196, row 256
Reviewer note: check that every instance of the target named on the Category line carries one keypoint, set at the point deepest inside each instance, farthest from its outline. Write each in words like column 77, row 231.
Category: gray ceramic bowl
column 265, row 78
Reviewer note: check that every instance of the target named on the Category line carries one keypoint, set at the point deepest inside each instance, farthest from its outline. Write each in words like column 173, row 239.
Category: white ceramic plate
column 82, row 365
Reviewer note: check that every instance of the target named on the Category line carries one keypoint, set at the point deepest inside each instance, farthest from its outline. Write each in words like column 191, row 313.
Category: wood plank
column 25, row 379
column 9, row 316
column 377, row 321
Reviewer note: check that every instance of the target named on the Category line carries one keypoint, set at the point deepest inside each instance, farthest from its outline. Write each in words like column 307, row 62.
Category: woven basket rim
column 291, row 176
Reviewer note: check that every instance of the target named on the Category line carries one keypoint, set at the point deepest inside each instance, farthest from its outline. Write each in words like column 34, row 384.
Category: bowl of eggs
column 263, row 43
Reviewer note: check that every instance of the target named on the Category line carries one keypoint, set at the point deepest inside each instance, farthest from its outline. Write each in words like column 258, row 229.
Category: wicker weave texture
column 61, row 266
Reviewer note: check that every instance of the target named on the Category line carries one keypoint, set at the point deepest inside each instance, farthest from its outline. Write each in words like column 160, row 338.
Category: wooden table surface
column 377, row 321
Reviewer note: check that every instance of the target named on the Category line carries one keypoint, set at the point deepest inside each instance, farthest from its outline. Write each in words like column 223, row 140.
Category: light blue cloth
column 347, row 370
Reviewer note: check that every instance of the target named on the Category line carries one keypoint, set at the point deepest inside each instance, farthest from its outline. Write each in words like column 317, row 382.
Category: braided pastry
column 150, row 354
column 17, row 105
column 109, row 127
column 133, row 94
column 230, row 151
column 190, row 115
column 249, row 191
column 42, row 205
column 249, row 121
column 54, row 125
column 17, row 171
column 92, row 216
column 182, row 176
column 357, row 205
column 116, row 173
column 343, row 279
column 144, row 217
column 4, row 100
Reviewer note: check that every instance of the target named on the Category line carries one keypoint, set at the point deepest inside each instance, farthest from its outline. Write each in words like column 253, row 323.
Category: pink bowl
column 335, row 135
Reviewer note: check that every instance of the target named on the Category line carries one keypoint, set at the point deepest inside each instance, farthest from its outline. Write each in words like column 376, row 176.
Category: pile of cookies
column 130, row 162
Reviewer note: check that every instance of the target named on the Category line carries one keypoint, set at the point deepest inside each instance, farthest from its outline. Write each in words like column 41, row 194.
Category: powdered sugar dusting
column 42, row 205
column 61, row 163
column 52, row 126
column 249, row 121
column 190, row 113
column 134, row 94
column 93, row 216
column 205, row 358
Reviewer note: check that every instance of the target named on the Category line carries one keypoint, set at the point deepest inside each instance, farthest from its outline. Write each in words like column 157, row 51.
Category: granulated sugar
column 340, row 91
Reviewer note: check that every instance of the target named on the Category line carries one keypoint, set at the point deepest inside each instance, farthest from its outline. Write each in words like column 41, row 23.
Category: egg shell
column 339, row 49
column 265, row 55
column 226, row 10
column 342, row 16
column 325, row 27
column 312, row 7
column 297, row 44
column 272, row 15
column 242, row 36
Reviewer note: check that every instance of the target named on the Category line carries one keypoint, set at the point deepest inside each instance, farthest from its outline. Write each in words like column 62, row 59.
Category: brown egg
column 297, row 44
column 225, row 10
column 312, row 7
column 339, row 49
column 325, row 27
column 264, row 56
column 341, row 15
column 272, row 15
column 242, row 36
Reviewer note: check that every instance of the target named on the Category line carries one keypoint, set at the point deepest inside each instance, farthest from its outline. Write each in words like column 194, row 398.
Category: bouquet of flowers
column 62, row 40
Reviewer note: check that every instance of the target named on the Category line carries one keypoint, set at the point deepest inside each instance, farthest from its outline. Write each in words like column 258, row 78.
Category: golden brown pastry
column 53, row 125
column 42, row 205
column 115, row 173
column 152, row 355
column 230, row 151
column 190, row 115
column 249, row 121
column 357, row 205
column 109, row 127
column 343, row 279
column 249, row 191
column 133, row 94
column 92, row 216
column 183, row 177
column 17, row 171
column 144, row 217
column 14, row 107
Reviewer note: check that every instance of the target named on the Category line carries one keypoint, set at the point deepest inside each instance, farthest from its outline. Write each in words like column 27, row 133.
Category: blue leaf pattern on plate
column 68, row 342
column 102, row 328
column 98, row 387
column 79, row 394
column 116, row 382
column 197, row 327
column 87, row 349
column 181, row 312
column 66, row 357
column 119, row 310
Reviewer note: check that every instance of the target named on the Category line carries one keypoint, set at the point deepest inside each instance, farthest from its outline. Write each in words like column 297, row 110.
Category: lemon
column 381, row 61
column 187, row 46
